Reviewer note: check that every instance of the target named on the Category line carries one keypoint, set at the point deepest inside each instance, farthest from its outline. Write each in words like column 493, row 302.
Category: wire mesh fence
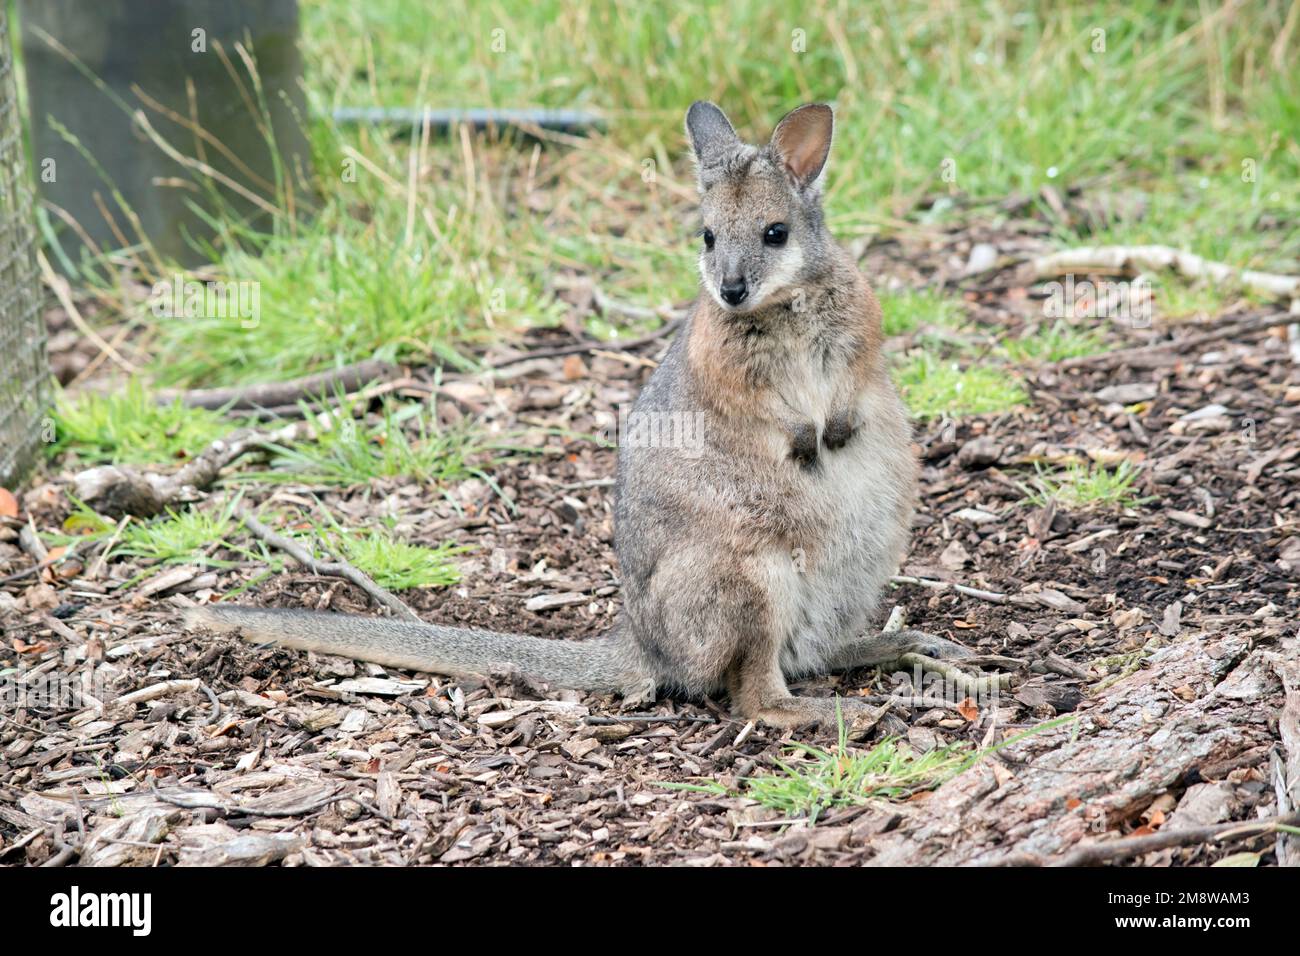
column 24, row 374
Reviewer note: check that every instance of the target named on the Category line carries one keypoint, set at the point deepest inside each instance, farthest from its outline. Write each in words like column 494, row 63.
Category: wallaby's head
column 763, row 236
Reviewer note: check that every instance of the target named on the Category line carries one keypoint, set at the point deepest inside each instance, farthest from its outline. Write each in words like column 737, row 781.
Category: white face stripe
column 787, row 271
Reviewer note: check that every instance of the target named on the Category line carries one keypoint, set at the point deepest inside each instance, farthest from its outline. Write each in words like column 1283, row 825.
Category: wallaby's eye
column 708, row 238
column 776, row 234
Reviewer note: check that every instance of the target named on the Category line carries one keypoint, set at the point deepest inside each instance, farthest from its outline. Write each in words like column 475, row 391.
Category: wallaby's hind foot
column 788, row 711
column 760, row 693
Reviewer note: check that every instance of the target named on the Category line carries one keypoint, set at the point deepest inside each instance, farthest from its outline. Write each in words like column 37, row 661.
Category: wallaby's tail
column 603, row 664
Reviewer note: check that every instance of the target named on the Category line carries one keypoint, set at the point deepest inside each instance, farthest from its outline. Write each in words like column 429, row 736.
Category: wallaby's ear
column 710, row 132
column 802, row 141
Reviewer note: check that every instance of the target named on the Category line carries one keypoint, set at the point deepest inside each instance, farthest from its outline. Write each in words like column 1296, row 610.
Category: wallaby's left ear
column 802, row 141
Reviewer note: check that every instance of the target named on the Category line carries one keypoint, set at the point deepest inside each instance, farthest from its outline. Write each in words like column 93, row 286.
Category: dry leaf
column 8, row 504
column 22, row 647
column 968, row 709
column 954, row 557
column 574, row 368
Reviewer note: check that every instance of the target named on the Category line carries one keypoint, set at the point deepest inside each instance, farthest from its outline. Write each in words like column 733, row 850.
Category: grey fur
column 759, row 550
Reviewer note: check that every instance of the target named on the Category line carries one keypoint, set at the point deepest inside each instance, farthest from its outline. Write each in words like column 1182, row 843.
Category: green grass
column 820, row 780
column 932, row 387
column 170, row 538
column 1082, row 486
column 403, row 442
column 1054, row 343
column 909, row 309
column 430, row 251
column 812, row 781
column 395, row 564
column 128, row 426
column 391, row 562
column 1015, row 94
column 1180, row 300
column 824, row 780
column 427, row 266
column 342, row 290
column 178, row 536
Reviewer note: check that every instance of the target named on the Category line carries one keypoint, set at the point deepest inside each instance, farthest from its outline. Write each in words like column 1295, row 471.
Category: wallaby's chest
column 808, row 382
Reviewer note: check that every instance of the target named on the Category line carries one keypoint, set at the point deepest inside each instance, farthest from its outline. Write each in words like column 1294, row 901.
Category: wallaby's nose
column 733, row 291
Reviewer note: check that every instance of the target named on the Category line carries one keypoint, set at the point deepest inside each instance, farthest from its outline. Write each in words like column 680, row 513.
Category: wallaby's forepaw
column 803, row 445
column 839, row 431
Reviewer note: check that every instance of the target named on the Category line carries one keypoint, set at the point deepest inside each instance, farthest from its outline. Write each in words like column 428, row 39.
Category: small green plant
column 130, row 427
column 1083, row 486
column 392, row 563
column 1185, row 300
column 83, row 524
column 403, row 443
column 890, row 770
column 908, row 309
column 178, row 536
column 824, row 780
column 932, row 387
column 395, row 564
column 1055, row 343
column 174, row 537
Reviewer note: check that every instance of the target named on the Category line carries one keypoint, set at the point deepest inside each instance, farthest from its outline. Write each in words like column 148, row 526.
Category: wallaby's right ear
column 710, row 132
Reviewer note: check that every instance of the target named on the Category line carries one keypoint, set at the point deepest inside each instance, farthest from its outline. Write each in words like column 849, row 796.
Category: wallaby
column 758, row 550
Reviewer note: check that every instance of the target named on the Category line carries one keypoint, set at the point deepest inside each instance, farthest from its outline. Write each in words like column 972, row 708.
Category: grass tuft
column 392, row 563
column 178, row 536
column 395, row 564
column 909, row 309
column 1055, row 343
column 403, row 443
column 933, row 387
column 824, row 780
column 130, row 427
column 1086, row 486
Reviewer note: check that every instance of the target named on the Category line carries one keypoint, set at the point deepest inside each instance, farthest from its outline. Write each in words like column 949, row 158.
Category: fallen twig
column 63, row 857
column 215, row 714
column 1107, row 851
column 162, row 689
column 98, row 566
column 203, row 800
column 993, row 597
column 1131, row 260
column 337, row 569
column 619, row 345
column 966, row 684
column 1115, row 357
column 275, row 394
column 117, row 490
